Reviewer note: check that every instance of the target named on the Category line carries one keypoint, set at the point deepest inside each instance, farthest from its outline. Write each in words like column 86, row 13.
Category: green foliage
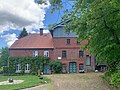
column 33, row 61
column 115, row 80
column 4, row 56
column 56, row 66
column 98, row 22
column 5, row 69
column 23, row 33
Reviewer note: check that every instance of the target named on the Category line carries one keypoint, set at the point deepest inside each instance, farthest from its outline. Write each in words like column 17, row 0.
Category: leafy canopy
column 98, row 22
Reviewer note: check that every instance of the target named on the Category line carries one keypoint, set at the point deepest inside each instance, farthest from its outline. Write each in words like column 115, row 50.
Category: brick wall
column 29, row 53
column 72, row 50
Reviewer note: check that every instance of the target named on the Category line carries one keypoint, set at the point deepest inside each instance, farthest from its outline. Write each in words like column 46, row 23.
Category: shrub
column 56, row 66
column 115, row 80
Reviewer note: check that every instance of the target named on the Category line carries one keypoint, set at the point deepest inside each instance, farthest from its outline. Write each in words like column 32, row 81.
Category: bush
column 115, row 80
column 56, row 66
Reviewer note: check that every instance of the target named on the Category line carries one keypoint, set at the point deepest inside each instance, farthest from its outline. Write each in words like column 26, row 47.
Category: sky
column 16, row 14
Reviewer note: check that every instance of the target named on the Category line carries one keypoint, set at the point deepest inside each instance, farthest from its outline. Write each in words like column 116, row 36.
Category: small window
column 64, row 54
column 35, row 53
column 68, row 41
column 81, row 67
column 81, row 54
column 88, row 60
column 77, row 41
column 18, row 68
column 64, row 68
column 27, row 67
column 46, row 53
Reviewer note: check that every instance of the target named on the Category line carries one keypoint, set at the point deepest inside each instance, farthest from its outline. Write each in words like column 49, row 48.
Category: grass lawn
column 29, row 81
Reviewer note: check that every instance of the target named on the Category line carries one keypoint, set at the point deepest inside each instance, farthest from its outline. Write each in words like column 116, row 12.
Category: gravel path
column 82, row 81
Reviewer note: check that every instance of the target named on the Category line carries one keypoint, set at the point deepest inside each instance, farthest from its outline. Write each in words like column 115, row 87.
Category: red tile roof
column 34, row 41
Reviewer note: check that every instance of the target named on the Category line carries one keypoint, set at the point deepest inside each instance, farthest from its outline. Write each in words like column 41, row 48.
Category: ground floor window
column 27, row 68
column 81, row 67
column 64, row 68
column 18, row 68
column 72, row 67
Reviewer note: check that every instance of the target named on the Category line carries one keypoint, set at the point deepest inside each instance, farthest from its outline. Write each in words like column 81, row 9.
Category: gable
column 59, row 32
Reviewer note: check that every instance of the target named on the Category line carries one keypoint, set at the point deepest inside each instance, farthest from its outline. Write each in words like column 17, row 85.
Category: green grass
column 29, row 81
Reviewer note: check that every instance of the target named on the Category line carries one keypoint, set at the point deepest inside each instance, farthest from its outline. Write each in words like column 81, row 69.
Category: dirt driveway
column 82, row 81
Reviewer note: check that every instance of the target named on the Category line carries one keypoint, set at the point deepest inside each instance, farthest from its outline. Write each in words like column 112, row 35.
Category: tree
column 23, row 33
column 56, row 66
column 4, row 56
column 98, row 22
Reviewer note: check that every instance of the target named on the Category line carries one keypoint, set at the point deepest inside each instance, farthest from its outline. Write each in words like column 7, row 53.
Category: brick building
column 57, row 45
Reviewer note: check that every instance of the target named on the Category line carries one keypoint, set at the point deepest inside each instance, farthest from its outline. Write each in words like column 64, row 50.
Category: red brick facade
column 55, row 44
column 72, row 50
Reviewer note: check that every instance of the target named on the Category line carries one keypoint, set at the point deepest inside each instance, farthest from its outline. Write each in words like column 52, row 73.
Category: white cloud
column 10, row 38
column 19, row 14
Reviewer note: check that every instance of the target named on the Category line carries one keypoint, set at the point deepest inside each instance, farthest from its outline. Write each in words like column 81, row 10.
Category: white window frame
column 27, row 68
column 18, row 68
column 46, row 53
column 35, row 53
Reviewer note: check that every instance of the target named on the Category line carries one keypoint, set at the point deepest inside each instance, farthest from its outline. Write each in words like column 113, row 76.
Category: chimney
column 41, row 31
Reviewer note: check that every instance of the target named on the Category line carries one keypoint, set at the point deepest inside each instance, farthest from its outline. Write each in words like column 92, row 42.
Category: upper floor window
column 35, row 53
column 64, row 54
column 68, row 41
column 77, row 41
column 46, row 53
column 81, row 54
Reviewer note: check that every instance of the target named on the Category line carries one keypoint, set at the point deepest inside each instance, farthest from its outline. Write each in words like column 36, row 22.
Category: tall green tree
column 4, row 56
column 23, row 33
column 98, row 22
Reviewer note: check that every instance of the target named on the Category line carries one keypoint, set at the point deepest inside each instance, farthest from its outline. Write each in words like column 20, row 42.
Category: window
column 81, row 67
column 35, row 53
column 64, row 68
column 68, row 41
column 81, row 54
column 18, row 68
column 88, row 60
column 46, row 53
column 27, row 67
column 64, row 54
column 78, row 42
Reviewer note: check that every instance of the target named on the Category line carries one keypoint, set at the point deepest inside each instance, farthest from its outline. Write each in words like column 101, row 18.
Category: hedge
column 33, row 61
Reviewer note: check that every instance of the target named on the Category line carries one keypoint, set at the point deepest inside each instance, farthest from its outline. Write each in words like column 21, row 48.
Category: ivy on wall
column 33, row 61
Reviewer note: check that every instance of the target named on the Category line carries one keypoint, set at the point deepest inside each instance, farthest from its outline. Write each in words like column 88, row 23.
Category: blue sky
column 46, row 18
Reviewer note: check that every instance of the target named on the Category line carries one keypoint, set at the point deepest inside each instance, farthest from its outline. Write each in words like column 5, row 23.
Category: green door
column 46, row 69
column 72, row 67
